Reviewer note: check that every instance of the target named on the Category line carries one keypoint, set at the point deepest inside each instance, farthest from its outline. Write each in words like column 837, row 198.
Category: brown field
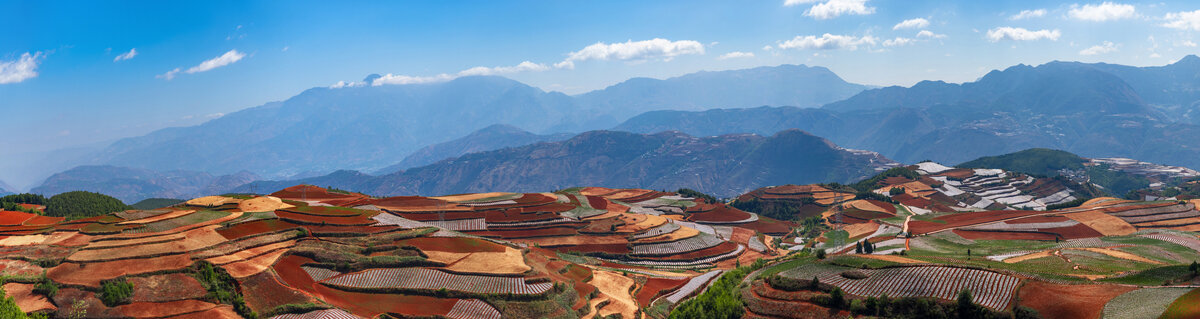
column 162, row 309
column 262, row 204
column 212, row 201
column 1031, row 256
column 265, row 291
column 26, row 299
column 201, row 238
column 91, row 274
column 616, row 288
column 168, row 287
column 247, row 254
column 681, row 233
column 1068, row 301
column 893, row 258
column 861, row 229
column 469, row 197
column 1106, row 224
column 509, row 262
column 160, row 217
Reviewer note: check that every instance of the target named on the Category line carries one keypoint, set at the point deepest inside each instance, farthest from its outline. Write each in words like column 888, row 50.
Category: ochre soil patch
column 159, row 217
column 326, row 220
column 254, row 228
column 655, row 287
column 26, row 299
column 681, row 233
column 469, row 197
column 616, row 288
column 218, row 312
column 1030, row 256
column 23, row 240
column 1120, row 254
column 1105, row 224
column 212, row 201
column 1068, row 301
column 200, row 238
column 861, row 229
column 252, row 266
column 262, row 204
column 1039, row 219
column 264, row 291
column 576, row 240
column 246, row 254
column 509, row 262
column 44, row 221
column 638, row 222
column 168, row 287
column 91, row 274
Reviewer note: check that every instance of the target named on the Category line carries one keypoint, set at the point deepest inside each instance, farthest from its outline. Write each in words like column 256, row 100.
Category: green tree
column 820, row 254
column 966, row 309
column 9, row 309
column 858, row 247
column 895, row 191
column 81, row 204
column 115, row 292
column 837, row 298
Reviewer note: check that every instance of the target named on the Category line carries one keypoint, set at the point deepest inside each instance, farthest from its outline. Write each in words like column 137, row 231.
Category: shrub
column 46, row 287
column 115, row 292
column 687, row 192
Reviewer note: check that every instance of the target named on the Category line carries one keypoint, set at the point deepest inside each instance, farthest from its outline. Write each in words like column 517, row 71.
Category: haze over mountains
column 722, row 165
column 1094, row 110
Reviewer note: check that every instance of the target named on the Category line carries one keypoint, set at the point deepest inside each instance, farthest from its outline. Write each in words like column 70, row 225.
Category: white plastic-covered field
column 693, row 243
column 705, row 262
column 421, row 278
column 692, row 285
column 989, row 289
column 472, row 309
column 1189, row 242
column 319, row 274
column 665, row 228
column 319, row 314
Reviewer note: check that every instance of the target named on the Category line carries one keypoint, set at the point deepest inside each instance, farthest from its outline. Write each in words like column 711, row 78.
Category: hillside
column 1037, row 161
column 489, row 138
column 792, row 85
column 721, row 165
column 131, row 185
column 5, row 189
column 1075, row 107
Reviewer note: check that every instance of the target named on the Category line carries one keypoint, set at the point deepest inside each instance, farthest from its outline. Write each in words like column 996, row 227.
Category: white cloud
column 1027, row 14
column 1103, row 48
column 653, row 49
column 827, row 42
column 525, row 66
column 767, row 48
column 929, row 34
column 834, row 8
column 225, row 59
column 1188, row 43
column 389, row 78
column 1021, row 34
column 126, row 56
column 1183, row 20
column 21, row 69
column 897, row 42
column 788, row 3
column 1106, row 11
column 911, row 24
column 735, row 55
column 406, row 79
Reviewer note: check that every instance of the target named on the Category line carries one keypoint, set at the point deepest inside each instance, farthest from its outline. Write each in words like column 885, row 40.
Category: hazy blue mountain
column 724, row 165
column 135, row 184
column 5, row 189
column 1070, row 106
column 489, row 138
column 324, row 129
column 1174, row 88
column 792, row 85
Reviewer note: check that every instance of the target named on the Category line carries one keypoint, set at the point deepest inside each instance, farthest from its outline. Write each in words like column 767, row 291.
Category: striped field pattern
column 472, row 309
column 989, row 289
column 661, row 229
column 693, row 243
column 1189, row 242
column 691, row 286
column 421, row 278
column 461, row 224
column 690, row 264
column 319, row 274
column 319, row 314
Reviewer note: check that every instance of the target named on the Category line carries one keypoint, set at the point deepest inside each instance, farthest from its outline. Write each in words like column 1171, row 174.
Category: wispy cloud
column 1106, row 47
column 898, row 41
column 1106, row 11
column 1028, row 14
column 228, row 58
column 827, row 42
column 1183, row 20
column 1021, row 34
column 911, row 24
column 127, row 55
column 653, row 49
column 21, row 69
column 736, row 55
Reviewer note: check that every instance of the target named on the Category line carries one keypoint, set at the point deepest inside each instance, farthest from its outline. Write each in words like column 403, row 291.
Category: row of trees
column 72, row 205
column 864, row 247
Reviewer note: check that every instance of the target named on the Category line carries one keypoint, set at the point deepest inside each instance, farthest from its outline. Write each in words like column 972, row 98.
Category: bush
column 820, row 254
column 895, row 191
column 721, row 300
column 115, row 292
column 837, row 298
column 221, row 287
column 687, row 192
column 46, row 287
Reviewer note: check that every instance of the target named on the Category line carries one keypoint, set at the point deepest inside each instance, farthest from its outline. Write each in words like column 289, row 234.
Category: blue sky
column 80, row 73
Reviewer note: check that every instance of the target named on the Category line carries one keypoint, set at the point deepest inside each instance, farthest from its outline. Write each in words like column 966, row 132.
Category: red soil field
column 313, row 193
column 718, row 213
column 91, row 274
column 328, row 220
column 1186, row 306
column 595, row 248
column 14, row 218
column 453, row 244
column 549, row 207
column 528, row 233
column 430, row 217
column 515, row 216
column 909, row 200
column 264, row 291
column 645, row 197
column 33, row 207
column 1074, row 232
column 350, row 229
column 254, row 228
column 44, row 221
column 858, row 216
column 162, row 309
column 168, row 287
column 323, row 211
column 966, row 219
column 1068, row 301
column 597, row 202
column 417, row 203
column 655, row 287
column 958, row 173
column 1039, row 219
column 219, row 312
column 364, row 304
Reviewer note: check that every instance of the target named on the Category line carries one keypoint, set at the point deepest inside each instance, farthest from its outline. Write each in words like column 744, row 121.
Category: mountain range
column 489, row 138
column 724, row 165
column 131, row 185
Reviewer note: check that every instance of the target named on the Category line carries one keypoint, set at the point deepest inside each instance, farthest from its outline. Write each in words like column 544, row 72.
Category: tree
column 1195, row 268
column 80, row 204
column 837, row 298
column 966, row 309
column 968, row 252
column 815, row 284
column 820, row 254
column 858, row 247
column 895, row 191
column 868, row 247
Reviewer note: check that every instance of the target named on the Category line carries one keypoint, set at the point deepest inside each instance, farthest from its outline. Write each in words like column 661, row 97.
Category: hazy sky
column 87, row 72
